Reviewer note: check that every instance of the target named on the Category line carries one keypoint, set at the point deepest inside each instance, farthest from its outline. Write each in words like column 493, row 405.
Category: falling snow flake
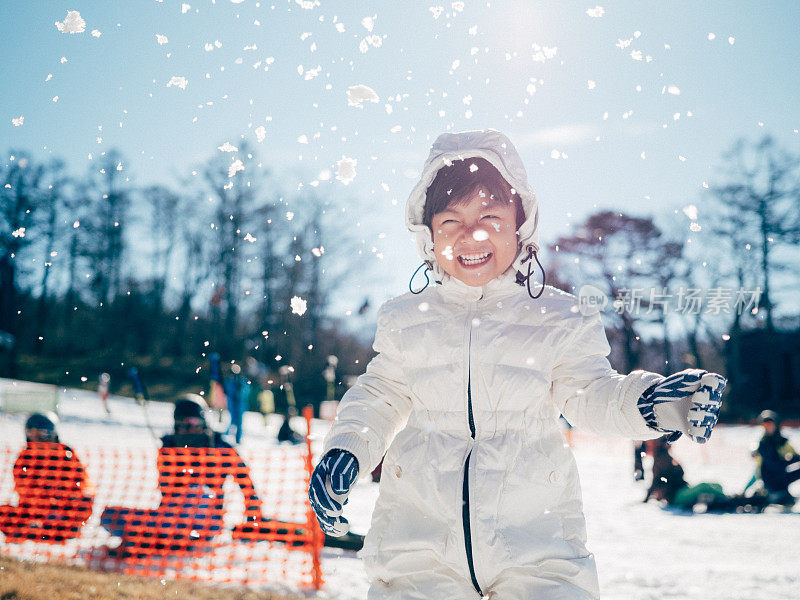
column 18, row 121
column 307, row 4
column 261, row 133
column 73, row 23
column 161, row 39
column 596, row 12
column 371, row 40
column 543, row 53
column 299, row 305
column 436, row 11
column 96, row 33
column 177, row 81
column 235, row 167
column 346, row 169
column 227, row 147
column 358, row 94
column 308, row 74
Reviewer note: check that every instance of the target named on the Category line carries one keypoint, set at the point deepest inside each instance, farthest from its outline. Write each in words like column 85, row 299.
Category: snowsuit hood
column 500, row 152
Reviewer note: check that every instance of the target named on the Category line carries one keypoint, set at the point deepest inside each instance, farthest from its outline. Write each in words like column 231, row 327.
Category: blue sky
column 523, row 67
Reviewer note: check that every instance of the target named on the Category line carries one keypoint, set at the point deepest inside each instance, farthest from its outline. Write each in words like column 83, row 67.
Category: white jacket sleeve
column 593, row 396
column 376, row 407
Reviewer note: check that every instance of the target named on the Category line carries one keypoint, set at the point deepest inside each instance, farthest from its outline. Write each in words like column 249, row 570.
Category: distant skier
column 55, row 492
column 639, row 450
column 285, row 399
column 237, row 390
column 103, row 384
column 778, row 464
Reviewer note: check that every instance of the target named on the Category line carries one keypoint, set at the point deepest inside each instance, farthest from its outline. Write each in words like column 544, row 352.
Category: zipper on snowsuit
column 465, row 488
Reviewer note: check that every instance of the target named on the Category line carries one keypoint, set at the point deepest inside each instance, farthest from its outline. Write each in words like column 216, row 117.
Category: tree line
column 98, row 273
column 686, row 288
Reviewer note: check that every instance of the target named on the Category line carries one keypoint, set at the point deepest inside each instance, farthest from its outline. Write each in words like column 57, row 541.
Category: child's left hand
column 685, row 402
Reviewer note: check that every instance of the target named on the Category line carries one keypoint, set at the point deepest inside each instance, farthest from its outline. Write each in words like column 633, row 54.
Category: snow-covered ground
column 643, row 552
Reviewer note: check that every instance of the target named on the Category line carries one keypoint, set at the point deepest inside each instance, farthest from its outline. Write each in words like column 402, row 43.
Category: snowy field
column 643, row 552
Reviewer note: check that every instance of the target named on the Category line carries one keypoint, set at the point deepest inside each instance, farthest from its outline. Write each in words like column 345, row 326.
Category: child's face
column 475, row 241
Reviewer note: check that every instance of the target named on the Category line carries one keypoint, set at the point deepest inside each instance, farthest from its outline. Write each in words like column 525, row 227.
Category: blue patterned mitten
column 330, row 484
column 685, row 402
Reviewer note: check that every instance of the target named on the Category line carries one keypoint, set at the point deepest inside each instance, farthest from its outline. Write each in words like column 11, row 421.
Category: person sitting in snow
column 55, row 492
column 669, row 486
column 777, row 463
column 479, row 494
column 191, row 483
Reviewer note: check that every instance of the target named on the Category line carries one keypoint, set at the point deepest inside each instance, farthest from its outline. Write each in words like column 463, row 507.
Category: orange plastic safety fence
column 206, row 514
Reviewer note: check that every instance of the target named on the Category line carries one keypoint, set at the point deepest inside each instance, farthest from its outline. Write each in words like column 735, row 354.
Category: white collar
column 455, row 289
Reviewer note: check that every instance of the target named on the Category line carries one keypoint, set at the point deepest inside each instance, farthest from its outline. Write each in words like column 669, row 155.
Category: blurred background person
column 777, row 463
column 192, row 499
column 55, row 492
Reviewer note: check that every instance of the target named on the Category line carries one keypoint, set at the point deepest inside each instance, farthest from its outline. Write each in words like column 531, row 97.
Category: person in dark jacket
column 777, row 463
column 670, row 487
column 193, row 464
column 55, row 492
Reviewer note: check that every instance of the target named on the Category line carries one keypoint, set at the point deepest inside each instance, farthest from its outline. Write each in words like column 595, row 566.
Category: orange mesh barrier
column 208, row 514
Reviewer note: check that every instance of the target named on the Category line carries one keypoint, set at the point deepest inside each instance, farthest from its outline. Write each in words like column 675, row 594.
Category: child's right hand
column 330, row 484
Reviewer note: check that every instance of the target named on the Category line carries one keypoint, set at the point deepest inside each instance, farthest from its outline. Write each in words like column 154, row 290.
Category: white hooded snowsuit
column 479, row 494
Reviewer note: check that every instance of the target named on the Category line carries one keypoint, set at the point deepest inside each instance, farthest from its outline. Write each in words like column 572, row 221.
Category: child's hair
column 454, row 183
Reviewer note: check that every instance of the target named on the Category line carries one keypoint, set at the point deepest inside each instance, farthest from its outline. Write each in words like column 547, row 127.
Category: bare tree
column 21, row 181
column 195, row 269
column 614, row 252
column 107, row 221
column 75, row 238
column 50, row 211
column 164, row 209
column 232, row 183
column 759, row 206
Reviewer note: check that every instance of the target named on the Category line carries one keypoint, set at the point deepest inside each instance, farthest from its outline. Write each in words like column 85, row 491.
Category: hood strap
column 427, row 280
column 526, row 279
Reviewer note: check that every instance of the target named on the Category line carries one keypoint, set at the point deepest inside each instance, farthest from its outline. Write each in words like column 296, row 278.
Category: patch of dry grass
column 23, row 580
